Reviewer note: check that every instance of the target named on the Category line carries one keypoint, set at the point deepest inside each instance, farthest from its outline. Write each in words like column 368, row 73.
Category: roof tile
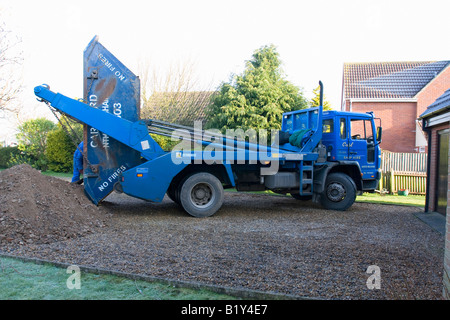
column 389, row 79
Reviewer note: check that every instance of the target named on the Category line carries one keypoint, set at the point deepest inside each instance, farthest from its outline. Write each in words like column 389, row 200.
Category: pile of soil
column 40, row 209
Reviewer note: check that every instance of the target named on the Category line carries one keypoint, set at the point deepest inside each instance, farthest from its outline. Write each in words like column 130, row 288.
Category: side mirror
column 379, row 131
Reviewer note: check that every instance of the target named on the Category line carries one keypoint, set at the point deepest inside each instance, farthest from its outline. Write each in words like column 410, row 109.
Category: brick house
column 436, row 124
column 397, row 92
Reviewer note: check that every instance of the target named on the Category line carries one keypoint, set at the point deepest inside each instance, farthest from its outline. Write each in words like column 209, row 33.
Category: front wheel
column 339, row 192
column 201, row 195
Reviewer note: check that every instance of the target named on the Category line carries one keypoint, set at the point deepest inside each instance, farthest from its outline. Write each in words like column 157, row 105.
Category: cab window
column 327, row 126
column 343, row 128
column 361, row 129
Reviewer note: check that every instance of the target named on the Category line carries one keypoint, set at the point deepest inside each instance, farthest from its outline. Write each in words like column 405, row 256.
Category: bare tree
column 10, row 60
column 175, row 94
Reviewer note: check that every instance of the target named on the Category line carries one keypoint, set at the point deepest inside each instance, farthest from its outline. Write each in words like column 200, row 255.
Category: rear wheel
column 339, row 192
column 201, row 194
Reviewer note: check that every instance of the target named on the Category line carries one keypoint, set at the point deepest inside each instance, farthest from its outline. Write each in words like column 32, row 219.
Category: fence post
column 380, row 182
column 392, row 181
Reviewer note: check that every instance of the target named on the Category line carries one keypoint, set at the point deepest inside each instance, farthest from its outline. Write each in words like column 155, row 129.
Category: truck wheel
column 201, row 195
column 118, row 187
column 339, row 193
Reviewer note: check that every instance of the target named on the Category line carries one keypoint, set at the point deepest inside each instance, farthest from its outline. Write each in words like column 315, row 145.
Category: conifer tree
column 258, row 97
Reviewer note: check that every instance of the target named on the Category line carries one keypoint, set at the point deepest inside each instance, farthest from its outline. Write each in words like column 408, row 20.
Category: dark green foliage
column 165, row 143
column 6, row 154
column 61, row 146
column 21, row 158
column 32, row 138
column 59, row 152
column 257, row 98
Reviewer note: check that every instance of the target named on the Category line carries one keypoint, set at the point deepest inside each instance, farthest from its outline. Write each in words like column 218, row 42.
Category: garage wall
column 446, row 280
column 447, row 259
column 432, row 158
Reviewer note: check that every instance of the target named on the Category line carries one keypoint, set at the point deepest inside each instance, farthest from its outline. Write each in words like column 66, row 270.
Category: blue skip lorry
column 325, row 156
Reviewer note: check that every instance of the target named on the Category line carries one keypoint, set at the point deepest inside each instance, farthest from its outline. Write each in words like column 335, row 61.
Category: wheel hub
column 336, row 192
column 201, row 194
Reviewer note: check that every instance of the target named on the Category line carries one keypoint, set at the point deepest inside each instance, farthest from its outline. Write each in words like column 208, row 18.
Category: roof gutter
column 383, row 100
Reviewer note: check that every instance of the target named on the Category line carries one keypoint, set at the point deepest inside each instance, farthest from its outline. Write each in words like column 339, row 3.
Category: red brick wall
column 397, row 121
column 433, row 91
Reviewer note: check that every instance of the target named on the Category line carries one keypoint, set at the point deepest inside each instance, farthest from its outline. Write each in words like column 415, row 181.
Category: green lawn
column 410, row 200
column 21, row 280
column 57, row 174
column 53, row 174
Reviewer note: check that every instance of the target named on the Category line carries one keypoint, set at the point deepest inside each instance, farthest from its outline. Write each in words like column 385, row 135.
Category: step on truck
column 325, row 156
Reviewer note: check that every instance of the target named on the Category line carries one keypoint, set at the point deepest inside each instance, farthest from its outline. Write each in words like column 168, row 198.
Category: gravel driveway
column 268, row 243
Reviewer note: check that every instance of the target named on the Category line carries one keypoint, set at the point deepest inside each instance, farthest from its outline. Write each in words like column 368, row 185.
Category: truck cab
column 351, row 137
column 348, row 147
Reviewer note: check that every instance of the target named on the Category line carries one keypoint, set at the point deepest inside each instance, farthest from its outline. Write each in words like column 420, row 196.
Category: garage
column 435, row 123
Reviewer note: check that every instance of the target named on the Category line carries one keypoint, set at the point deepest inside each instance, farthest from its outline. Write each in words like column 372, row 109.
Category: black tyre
column 339, row 192
column 201, row 195
column 118, row 187
column 171, row 192
column 299, row 197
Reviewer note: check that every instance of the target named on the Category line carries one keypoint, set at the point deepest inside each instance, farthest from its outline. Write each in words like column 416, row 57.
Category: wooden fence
column 409, row 162
column 414, row 182
column 403, row 171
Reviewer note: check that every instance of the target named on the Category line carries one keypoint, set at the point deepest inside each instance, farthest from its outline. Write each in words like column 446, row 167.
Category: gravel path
column 267, row 243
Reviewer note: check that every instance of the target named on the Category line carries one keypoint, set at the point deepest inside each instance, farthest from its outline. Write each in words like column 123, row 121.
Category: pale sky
column 313, row 38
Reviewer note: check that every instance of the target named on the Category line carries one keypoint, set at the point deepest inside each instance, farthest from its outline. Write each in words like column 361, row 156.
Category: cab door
column 342, row 137
column 335, row 138
column 361, row 145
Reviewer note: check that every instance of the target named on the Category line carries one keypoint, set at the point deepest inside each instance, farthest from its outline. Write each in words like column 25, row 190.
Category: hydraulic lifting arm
column 132, row 134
